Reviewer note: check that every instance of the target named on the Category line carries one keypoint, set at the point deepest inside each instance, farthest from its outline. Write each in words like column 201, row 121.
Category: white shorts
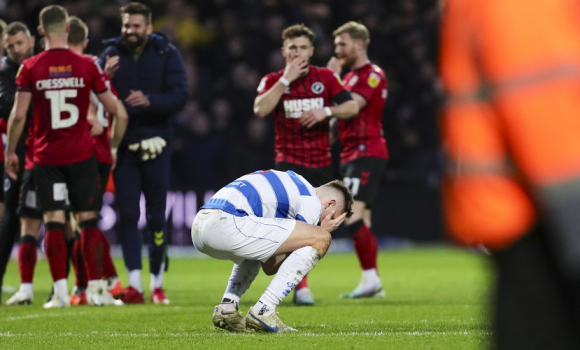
column 237, row 238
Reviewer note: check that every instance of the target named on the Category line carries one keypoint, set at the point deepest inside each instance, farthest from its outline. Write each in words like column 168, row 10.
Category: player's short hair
column 137, row 8
column 339, row 186
column 356, row 31
column 296, row 31
column 2, row 26
column 79, row 32
column 53, row 18
column 17, row 27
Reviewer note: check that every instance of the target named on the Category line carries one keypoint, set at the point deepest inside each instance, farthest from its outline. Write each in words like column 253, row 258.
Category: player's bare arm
column 15, row 127
column 345, row 110
column 109, row 101
column 96, row 127
column 118, row 127
column 362, row 102
column 265, row 103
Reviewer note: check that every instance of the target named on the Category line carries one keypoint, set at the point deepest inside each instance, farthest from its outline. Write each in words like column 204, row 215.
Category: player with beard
column 301, row 98
column 20, row 198
column 149, row 74
column 364, row 153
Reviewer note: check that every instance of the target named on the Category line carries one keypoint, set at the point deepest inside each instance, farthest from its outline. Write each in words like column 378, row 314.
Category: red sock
column 55, row 249
column 79, row 265
column 109, row 269
column 303, row 283
column 365, row 245
column 92, row 248
column 27, row 258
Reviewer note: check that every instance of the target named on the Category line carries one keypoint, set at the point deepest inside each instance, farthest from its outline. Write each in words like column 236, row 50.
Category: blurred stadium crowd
column 228, row 45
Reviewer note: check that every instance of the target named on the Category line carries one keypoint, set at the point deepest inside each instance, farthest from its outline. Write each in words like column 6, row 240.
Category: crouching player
column 274, row 220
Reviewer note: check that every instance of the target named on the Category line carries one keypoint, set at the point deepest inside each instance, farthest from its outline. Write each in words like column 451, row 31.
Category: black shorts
column 57, row 185
column 28, row 206
column 316, row 176
column 103, row 179
column 363, row 177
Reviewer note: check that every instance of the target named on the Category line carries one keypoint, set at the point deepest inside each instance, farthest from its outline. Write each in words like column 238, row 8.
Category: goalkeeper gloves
column 150, row 148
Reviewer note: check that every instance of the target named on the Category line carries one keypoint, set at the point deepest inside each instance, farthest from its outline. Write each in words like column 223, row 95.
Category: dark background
column 229, row 45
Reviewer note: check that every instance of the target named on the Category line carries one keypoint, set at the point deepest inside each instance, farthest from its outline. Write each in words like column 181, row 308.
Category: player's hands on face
column 329, row 223
column 12, row 165
column 311, row 117
column 334, row 65
column 111, row 65
column 296, row 68
column 137, row 98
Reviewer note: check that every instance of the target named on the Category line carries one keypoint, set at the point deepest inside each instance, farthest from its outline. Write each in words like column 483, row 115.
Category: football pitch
column 437, row 298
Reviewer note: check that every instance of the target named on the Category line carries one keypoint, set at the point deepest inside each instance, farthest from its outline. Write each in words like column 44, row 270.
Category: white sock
column 61, row 288
column 370, row 276
column 26, row 288
column 94, row 286
column 241, row 278
column 157, row 280
column 135, row 280
column 291, row 272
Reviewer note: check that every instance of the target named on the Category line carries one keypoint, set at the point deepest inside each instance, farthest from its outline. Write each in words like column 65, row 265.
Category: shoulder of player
column 161, row 43
column 274, row 74
column 323, row 71
column 376, row 70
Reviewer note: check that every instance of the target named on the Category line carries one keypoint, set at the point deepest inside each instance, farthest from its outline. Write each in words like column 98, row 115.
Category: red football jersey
column 29, row 155
column 362, row 136
column 103, row 141
column 61, row 82
column 295, row 144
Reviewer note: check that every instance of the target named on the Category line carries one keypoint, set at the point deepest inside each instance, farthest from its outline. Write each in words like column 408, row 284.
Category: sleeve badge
column 374, row 80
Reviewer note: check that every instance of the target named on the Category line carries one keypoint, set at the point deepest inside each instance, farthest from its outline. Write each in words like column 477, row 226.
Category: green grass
column 436, row 299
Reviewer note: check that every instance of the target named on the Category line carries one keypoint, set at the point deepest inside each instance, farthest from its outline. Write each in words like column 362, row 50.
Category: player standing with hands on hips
column 363, row 156
column 149, row 75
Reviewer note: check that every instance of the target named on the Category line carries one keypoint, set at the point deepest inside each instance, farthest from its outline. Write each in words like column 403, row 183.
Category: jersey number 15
column 58, row 105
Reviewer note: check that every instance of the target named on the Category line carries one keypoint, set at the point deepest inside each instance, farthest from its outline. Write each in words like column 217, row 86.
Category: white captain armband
column 327, row 111
column 284, row 81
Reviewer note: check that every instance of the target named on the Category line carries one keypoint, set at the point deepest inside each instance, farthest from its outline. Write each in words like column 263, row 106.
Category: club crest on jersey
column 294, row 108
column 317, row 87
column 60, row 71
column 374, row 80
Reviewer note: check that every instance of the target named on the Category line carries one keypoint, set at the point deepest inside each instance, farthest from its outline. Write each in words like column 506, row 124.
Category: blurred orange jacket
column 511, row 121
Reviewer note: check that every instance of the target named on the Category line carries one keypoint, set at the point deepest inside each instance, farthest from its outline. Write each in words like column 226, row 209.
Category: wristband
column 284, row 81
column 327, row 111
column 114, row 150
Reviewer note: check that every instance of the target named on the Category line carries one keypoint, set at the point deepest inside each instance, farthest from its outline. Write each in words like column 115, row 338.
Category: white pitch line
column 221, row 334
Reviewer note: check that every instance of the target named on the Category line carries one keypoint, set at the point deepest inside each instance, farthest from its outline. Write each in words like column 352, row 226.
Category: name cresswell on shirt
column 59, row 83
column 294, row 108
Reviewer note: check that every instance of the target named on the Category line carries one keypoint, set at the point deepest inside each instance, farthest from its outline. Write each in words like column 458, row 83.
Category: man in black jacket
column 19, row 46
column 149, row 75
